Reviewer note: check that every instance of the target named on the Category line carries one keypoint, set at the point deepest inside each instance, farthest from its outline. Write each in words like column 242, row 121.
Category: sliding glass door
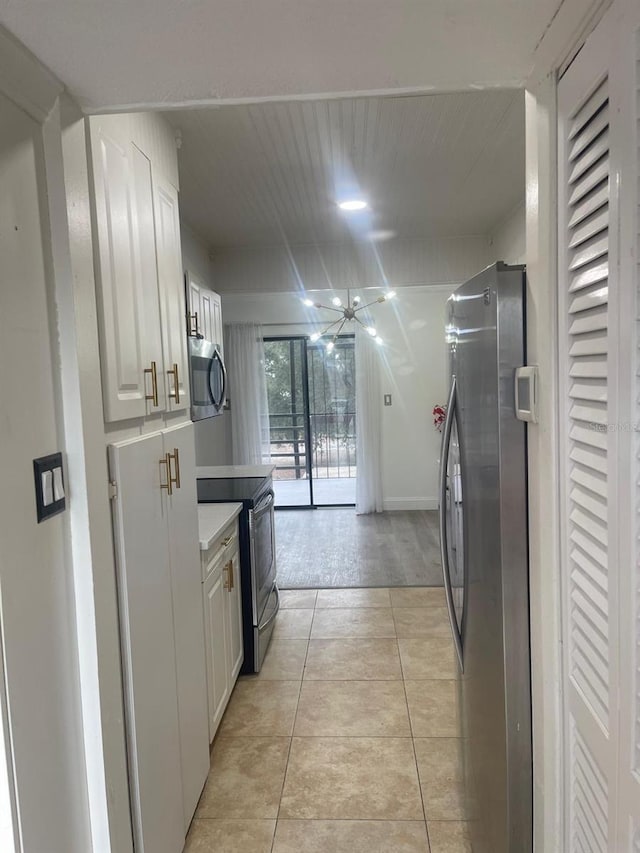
column 312, row 421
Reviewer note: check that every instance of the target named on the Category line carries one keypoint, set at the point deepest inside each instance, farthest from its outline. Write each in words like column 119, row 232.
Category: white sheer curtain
column 368, row 426
column 244, row 356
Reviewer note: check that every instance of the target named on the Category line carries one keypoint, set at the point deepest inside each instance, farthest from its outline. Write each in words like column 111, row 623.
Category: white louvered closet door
column 587, row 284
column 599, row 392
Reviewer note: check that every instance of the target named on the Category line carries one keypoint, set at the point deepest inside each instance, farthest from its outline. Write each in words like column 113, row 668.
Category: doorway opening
column 312, row 421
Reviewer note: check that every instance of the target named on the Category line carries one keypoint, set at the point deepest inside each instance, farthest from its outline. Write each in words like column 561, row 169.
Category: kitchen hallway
column 347, row 739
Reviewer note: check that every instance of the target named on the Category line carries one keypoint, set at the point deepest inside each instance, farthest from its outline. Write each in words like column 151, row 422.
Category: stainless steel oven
column 263, row 572
column 208, row 377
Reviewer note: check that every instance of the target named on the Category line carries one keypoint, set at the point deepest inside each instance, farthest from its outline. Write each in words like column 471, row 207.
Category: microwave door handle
column 444, row 549
column 218, row 403
column 223, row 393
column 214, row 400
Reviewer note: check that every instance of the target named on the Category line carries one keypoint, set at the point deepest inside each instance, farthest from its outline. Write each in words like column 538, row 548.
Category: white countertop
column 212, row 519
column 217, row 471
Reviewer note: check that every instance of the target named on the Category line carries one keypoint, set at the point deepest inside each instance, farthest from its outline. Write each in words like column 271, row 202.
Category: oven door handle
column 275, row 612
column 265, row 504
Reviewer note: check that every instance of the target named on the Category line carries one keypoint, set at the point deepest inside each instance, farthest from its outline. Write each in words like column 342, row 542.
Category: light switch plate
column 49, row 476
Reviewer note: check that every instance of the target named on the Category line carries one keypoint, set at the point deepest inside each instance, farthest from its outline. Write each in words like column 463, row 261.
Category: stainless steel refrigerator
column 483, row 531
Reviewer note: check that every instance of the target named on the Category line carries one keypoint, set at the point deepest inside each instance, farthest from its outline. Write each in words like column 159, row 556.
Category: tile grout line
column 413, row 747
column 293, row 728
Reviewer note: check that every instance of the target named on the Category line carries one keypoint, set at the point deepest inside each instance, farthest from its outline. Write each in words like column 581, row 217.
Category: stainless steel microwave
column 208, row 379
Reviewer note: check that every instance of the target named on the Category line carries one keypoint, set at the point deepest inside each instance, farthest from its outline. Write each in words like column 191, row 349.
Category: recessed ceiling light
column 352, row 204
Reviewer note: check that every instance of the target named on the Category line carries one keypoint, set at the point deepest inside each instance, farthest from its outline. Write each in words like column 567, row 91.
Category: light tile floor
column 347, row 741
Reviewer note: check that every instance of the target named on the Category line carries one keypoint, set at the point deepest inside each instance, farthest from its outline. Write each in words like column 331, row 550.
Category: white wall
column 213, row 435
column 195, row 255
column 508, row 241
column 414, row 372
column 36, row 578
column 396, row 262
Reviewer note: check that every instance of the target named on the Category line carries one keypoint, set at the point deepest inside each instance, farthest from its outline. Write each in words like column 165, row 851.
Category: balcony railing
column 332, row 439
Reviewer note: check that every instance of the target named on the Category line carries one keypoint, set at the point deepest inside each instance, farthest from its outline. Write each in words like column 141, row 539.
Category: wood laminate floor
column 327, row 548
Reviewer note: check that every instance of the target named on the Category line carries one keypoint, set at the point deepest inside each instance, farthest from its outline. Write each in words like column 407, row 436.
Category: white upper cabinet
column 138, row 266
column 205, row 311
column 172, row 303
column 120, row 286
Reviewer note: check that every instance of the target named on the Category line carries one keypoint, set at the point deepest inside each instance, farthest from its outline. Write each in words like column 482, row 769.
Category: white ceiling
column 271, row 173
column 117, row 53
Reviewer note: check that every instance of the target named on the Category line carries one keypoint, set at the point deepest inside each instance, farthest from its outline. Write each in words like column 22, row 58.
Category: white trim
column 565, row 35
column 544, row 581
column 25, row 80
column 89, row 514
column 203, row 103
column 395, row 504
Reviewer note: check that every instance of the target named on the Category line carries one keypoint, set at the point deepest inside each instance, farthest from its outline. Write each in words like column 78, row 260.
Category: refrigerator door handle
column 444, row 549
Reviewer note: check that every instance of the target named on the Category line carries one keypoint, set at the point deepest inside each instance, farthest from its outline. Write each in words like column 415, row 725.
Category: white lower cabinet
column 216, row 633
column 222, row 599
column 162, row 634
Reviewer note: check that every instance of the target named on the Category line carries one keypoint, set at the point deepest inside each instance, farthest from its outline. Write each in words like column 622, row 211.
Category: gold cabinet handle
column 176, row 383
column 226, row 541
column 167, row 467
column 176, row 458
column 229, row 579
column 153, row 370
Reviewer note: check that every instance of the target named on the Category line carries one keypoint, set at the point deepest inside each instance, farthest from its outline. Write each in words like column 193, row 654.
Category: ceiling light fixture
column 352, row 204
column 347, row 313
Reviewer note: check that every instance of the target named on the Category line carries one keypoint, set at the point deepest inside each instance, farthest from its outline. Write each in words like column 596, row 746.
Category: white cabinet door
column 147, row 638
column 193, row 307
column 236, row 643
column 206, row 315
column 147, row 270
column 216, row 322
column 205, row 312
column 216, row 632
column 172, row 298
column 120, row 289
column 187, row 615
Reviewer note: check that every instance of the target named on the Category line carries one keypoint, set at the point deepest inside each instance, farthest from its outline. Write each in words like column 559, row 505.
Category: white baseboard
column 391, row 504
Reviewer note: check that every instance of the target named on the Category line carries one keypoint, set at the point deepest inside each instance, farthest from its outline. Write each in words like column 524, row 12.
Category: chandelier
column 347, row 312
